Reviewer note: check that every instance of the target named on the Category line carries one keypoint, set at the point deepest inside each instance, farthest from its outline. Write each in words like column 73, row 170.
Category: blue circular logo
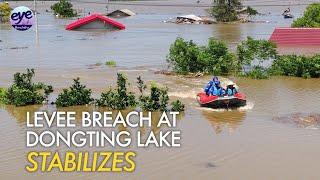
column 21, row 18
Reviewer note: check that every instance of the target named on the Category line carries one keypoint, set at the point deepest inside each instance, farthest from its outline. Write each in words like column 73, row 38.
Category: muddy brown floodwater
column 251, row 142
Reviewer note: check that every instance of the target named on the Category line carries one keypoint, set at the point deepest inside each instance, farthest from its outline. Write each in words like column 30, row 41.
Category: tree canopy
column 310, row 18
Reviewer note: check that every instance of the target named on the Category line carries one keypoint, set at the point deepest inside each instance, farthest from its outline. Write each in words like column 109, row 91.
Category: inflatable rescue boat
column 238, row 100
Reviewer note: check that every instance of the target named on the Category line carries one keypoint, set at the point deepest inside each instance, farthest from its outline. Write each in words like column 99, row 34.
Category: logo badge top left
column 21, row 18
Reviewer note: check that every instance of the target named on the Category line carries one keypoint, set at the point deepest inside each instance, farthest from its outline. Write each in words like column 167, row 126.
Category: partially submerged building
column 296, row 36
column 121, row 13
column 95, row 21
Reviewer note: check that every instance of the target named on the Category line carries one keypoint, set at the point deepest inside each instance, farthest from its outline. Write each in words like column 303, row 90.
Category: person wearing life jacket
column 231, row 90
column 208, row 88
column 216, row 89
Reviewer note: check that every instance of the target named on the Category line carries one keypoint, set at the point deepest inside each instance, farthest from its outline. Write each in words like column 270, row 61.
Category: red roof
column 296, row 36
column 92, row 18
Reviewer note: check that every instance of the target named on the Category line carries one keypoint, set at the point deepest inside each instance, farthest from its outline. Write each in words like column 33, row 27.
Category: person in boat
column 213, row 87
column 286, row 12
column 231, row 90
column 210, row 84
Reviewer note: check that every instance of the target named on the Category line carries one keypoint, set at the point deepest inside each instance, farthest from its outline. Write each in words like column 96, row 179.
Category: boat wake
column 249, row 106
column 185, row 94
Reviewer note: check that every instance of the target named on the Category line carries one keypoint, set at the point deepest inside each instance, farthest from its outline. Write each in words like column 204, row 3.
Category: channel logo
column 21, row 18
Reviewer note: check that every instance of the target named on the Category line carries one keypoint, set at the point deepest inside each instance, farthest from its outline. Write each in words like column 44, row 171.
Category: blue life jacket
column 208, row 87
column 216, row 91
column 231, row 91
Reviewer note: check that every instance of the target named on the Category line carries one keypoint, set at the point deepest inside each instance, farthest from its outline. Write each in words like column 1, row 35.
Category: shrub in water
column 3, row 93
column 219, row 60
column 118, row 98
column 252, row 49
column 63, row 8
column 310, row 18
column 183, row 56
column 177, row 106
column 24, row 92
column 111, row 63
column 299, row 66
column 186, row 56
column 77, row 94
column 5, row 11
column 158, row 99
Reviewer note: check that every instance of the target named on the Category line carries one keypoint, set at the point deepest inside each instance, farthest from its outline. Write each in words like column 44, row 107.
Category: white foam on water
column 312, row 127
column 185, row 94
column 211, row 109
column 247, row 107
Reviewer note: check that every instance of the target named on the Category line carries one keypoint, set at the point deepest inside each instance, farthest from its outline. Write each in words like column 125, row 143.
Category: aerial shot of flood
column 244, row 76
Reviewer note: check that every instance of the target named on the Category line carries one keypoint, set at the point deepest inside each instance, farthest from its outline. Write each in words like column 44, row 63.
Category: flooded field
column 263, row 140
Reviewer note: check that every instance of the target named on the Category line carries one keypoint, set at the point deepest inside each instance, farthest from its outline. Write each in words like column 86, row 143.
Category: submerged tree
column 215, row 58
column 63, row 8
column 225, row 10
column 24, row 92
column 310, row 18
column 5, row 11
column 118, row 98
column 77, row 94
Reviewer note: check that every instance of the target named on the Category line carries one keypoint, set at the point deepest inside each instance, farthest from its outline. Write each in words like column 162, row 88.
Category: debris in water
column 94, row 66
column 210, row 165
column 300, row 120
column 192, row 19
column 24, row 47
column 164, row 72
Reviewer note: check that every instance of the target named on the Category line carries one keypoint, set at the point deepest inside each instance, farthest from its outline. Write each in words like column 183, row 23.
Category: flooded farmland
column 263, row 140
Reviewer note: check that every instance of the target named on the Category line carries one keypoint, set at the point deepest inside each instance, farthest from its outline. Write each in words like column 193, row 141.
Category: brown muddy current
column 276, row 136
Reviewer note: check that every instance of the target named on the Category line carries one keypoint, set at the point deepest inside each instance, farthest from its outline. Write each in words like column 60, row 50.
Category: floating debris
column 210, row 165
column 192, row 19
column 300, row 120
column 94, row 66
column 24, row 47
column 165, row 72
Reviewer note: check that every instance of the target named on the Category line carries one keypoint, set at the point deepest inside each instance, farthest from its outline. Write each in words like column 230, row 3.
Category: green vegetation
column 186, row 56
column 257, row 72
column 77, row 94
column 299, row 66
column 5, row 11
column 251, row 11
column 118, row 98
column 111, row 63
column 158, row 98
column 24, row 92
column 229, row 10
column 310, row 18
column 3, row 93
column 63, row 8
column 225, row 11
column 260, row 50
column 177, row 106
